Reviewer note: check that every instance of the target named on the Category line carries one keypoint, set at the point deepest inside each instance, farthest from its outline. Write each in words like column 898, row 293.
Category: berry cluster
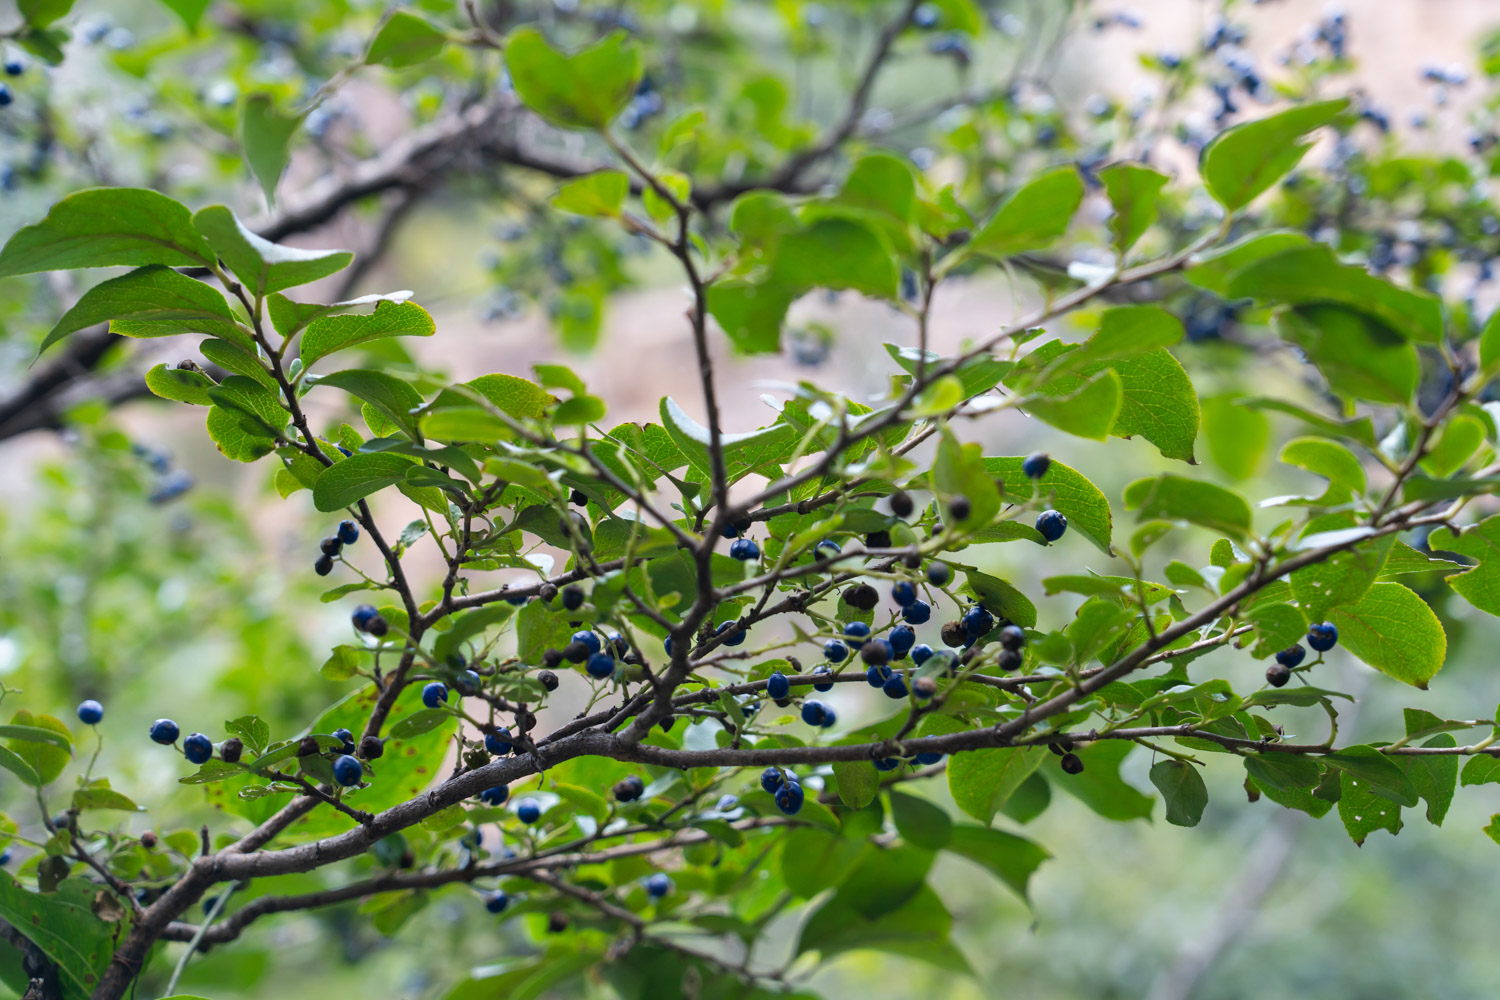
column 1321, row 637
column 347, row 534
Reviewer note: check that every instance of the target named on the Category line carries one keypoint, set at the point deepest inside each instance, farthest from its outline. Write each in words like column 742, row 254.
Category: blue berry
column 1051, row 524
column 367, row 619
column 1012, row 637
column 572, row 597
column 164, row 731
column 928, row 758
column 434, row 694
column 895, row 686
column 730, row 530
column 820, row 670
column 601, row 665
column 977, row 622
column 829, row 717
column 789, row 798
column 744, row 550
column 496, row 902
column 938, row 573
column 629, row 788
column 14, row 67
column 658, row 885
column 348, row 532
column 876, row 676
column 728, row 803
column 877, row 652
column 498, row 742
column 826, row 549
column 589, row 639
column 347, row 771
column 750, row 708
column 903, row 593
column 856, row 633
column 1291, row 656
column 917, row 612
column 198, row 748
column 926, row 17
column 813, row 712
column 835, row 651
column 777, row 686
column 90, row 712
column 346, row 740
column 6, row 97
column 921, row 653
column 887, row 763
column 516, row 602
column 5, row 856
column 1035, row 465
column 736, row 634
column 467, row 682
column 495, row 796
column 902, row 639
column 528, row 811
column 1323, row 637
column 771, row 779
column 666, row 644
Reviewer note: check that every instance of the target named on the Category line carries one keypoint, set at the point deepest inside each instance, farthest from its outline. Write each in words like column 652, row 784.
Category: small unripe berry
column 90, row 712
column 348, row 532
column 164, row 731
column 149, row 840
column 552, row 657
column 547, row 678
column 1277, row 674
column 347, row 771
column 547, row 591
column 572, row 597
column 954, row 634
column 231, row 750
column 576, row 652
column 308, row 747
column 862, row 596
column 331, row 545
column 557, row 922
column 1012, row 637
column 198, row 748
column 629, row 788
column 578, row 499
column 901, row 504
column 1010, row 659
column 434, row 694
column 371, row 747
column 1071, row 763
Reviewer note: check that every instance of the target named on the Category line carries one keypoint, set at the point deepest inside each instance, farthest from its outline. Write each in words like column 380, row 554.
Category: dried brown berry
column 1071, row 763
column 231, row 749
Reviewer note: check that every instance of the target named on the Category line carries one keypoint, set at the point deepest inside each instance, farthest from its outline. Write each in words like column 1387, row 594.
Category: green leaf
column 1358, row 356
column 152, row 301
column 355, row 478
column 1461, row 437
column 858, row 783
column 583, row 90
column 1009, row 858
column 468, row 625
column 266, row 137
column 1001, row 598
column 599, row 194
column 404, row 39
column 836, row 253
column 1328, row 459
column 976, row 375
column 1489, row 344
column 13, row 763
column 1062, row 488
column 48, row 759
column 191, row 11
column 958, row 470
column 390, row 319
column 920, row 822
column 1382, row 777
column 1243, row 161
column 1033, row 217
column 1100, row 786
column 1364, row 811
column 180, row 385
column 1088, row 412
column 107, row 227
column 1236, row 435
column 394, row 398
column 1343, row 577
column 742, row 452
column 1214, row 269
column 1282, row 770
column 1479, row 584
column 421, row 722
column 1133, row 191
column 1175, row 498
column 341, row 665
column 1358, row 429
column 63, row 925
column 1313, row 275
column 1434, row 776
column 103, row 798
column 751, row 313
column 1182, row 789
column 264, row 267
column 40, row 13
column 981, row 780
column 1394, row 631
